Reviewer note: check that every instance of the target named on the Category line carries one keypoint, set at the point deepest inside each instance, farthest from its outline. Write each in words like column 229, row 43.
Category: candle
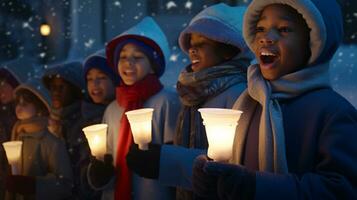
column 140, row 124
column 220, row 125
column 97, row 138
column 13, row 154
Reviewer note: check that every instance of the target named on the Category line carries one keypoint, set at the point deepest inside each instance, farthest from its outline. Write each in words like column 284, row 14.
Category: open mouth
column 268, row 57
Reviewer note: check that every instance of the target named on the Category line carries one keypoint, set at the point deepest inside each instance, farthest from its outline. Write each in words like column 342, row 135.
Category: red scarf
column 130, row 98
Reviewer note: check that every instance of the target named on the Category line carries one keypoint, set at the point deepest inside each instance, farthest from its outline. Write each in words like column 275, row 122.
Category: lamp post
column 140, row 124
column 220, row 125
column 13, row 154
column 97, row 138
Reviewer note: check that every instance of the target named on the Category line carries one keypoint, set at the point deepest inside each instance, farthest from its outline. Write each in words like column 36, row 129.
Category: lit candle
column 140, row 124
column 13, row 154
column 97, row 138
column 220, row 125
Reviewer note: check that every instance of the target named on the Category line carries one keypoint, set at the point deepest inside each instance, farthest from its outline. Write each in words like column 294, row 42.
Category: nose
column 192, row 51
column 270, row 37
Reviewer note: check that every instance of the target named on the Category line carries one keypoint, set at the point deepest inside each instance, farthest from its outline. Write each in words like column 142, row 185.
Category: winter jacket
column 224, row 18
column 70, row 121
column 166, row 106
column 45, row 157
column 319, row 125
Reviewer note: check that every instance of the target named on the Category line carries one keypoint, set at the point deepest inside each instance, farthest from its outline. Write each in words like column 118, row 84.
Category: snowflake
column 173, row 57
column 188, row 4
column 117, row 4
column 340, row 54
column 136, row 17
column 184, row 60
column 27, row 25
column 138, row 4
column 355, row 14
column 170, row 4
column 89, row 43
column 8, row 33
column 42, row 55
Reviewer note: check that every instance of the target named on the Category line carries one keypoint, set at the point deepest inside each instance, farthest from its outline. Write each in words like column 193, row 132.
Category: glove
column 100, row 173
column 234, row 181
column 204, row 184
column 25, row 185
column 145, row 163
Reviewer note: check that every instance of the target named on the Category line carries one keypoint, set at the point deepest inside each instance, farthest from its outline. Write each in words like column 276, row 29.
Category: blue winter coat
column 319, row 125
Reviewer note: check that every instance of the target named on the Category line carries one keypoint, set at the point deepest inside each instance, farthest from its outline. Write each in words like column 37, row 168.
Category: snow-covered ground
column 343, row 71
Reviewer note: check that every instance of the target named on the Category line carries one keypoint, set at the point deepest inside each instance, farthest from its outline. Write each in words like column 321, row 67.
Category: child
column 296, row 138
column 12, row 74
column 138, row 56
column 65, row 83
column 100, row 83
column 215, row 78
column 45, row 171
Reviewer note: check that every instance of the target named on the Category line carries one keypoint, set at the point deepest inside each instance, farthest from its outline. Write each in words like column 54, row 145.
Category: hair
column 29, row 97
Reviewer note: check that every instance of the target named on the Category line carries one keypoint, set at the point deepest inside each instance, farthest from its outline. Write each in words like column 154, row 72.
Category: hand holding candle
column 13, row 154
column 140, row 124
column 220, row 127
column 97, row 138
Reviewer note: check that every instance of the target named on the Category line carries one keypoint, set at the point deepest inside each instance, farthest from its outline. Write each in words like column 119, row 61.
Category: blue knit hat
column 221, row 23
column 99, row 61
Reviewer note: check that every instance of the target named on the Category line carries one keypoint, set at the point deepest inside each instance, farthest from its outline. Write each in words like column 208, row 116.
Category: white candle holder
column 220, row 125
column 97, row 139
column 140, row 124
column 13, row 154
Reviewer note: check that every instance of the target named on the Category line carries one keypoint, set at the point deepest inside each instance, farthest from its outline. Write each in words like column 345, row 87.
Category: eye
column 259, row 29
column 284, row 29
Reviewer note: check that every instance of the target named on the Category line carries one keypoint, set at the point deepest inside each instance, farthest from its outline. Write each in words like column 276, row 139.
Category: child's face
column 25, row 110
column 100, row 87
column 281, row 42
column 133, row 64
column 61, row 93
column 202, row 52
column 6, row 92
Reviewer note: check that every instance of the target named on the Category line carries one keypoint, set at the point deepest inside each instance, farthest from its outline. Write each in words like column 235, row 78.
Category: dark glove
column 204, row 184
column 145, row 163
column 100, row 173
column 234, row 181
column 25, row 185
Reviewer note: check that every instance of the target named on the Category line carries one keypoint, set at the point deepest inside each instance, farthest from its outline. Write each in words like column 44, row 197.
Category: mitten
column 234, row 181
column 101, row 172
column 145, row 163
column 204, row 184
column 25, row 185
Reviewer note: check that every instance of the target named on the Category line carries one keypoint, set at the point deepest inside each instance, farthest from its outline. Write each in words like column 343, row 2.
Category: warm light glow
column 45, row 30
column 140, row 124
column 220, row 127
column 97, row 139
column 13, row 151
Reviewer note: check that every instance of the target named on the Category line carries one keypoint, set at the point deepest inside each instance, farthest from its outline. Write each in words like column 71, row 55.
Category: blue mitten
column 234, row 181
column 204, row 184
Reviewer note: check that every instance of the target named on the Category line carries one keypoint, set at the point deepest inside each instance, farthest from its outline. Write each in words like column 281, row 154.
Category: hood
column 323, row 17
column 148, row 32
column 98, row 60
column 221, row 23
column 70, row 71
column 36, row 87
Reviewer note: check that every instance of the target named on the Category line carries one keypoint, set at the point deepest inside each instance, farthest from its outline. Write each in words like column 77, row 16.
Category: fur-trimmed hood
column 323, row 17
